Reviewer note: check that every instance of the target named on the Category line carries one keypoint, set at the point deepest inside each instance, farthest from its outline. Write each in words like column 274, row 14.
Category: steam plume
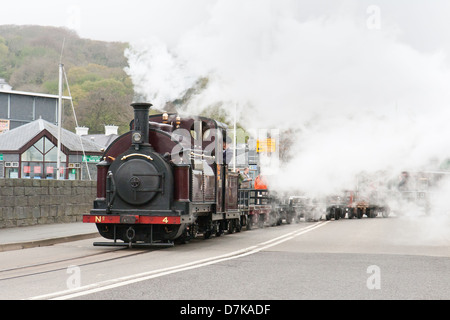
column 359, row 99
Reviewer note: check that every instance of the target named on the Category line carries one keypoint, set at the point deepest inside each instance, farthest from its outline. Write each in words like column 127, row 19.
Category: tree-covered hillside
column 101, row 90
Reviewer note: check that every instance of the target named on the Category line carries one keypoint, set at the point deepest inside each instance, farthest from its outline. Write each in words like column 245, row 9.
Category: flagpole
column 60, row 87
column 235, row 138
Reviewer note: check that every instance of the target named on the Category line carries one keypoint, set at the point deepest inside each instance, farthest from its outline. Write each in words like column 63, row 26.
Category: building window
column 74, row 174
column 11, row 170
column 12, row 173
column 40, row 161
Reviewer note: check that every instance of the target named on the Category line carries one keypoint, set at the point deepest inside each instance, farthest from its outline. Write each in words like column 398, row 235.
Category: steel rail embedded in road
column 58, row 265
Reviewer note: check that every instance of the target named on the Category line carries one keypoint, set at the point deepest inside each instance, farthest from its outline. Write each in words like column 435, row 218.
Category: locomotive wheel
column 207, row 234
column 261, row 221
column 238, row 225
column 249, row 223
column 231, row 226
column 184, row 239
column 359, row 213
column 289, row 219
column 351, row 213
column 220, row 228
column 329, row 214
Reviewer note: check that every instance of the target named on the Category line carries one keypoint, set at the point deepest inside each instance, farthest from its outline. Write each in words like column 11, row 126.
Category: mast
column 234, row 138
column 60, row 88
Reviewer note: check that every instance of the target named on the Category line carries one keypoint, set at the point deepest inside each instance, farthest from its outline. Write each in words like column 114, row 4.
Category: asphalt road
column 394, row 258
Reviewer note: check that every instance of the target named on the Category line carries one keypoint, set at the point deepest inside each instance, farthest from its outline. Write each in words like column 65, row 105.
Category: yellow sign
column 268, row 145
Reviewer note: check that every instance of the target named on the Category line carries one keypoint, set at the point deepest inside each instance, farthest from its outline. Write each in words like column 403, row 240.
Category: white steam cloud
column 360, row 99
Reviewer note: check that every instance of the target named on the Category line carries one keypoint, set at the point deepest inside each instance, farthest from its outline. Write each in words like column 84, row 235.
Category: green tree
column 101, row 90
column 107, row 103
column 4, row 52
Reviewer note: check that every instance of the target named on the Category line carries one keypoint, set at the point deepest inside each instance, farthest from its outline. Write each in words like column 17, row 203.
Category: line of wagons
column 260, row 208
column 371, row 199
column 294, row 208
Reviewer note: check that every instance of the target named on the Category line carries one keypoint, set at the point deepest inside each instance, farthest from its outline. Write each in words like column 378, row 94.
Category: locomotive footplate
column 133, row 244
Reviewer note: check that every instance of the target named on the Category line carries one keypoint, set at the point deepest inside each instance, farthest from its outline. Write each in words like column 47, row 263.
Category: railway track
column 63, row 264
column 77, row 270
column 135, row 278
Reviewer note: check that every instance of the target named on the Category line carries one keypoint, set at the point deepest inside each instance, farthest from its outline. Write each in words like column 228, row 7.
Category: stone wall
column 26, row 202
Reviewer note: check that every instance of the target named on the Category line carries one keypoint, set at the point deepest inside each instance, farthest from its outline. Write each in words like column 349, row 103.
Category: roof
column 101, row 139
column 23, row 93
column 15, row 139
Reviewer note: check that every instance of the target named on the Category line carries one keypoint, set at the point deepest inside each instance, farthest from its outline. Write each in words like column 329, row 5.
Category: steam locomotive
column 167, row 179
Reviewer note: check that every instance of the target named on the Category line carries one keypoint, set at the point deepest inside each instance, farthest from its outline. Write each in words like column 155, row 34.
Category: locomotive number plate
column 128, row 219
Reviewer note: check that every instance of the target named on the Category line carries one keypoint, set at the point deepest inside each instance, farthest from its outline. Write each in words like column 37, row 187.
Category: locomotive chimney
column 139, row 137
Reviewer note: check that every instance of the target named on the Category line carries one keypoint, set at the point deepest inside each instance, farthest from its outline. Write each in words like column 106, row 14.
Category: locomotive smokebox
column 139, row 136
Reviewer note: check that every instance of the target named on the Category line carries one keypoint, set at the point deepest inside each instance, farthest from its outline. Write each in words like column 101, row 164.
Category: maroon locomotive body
column 165, row 179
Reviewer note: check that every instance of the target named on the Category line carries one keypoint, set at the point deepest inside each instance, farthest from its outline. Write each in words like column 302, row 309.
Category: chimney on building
column 109, row 130
column 82, row 131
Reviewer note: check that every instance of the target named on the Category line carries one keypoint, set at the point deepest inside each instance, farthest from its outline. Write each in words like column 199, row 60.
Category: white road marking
column 123, row 281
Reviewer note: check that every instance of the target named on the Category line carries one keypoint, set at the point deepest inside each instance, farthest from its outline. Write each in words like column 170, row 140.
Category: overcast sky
column 423, row 24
